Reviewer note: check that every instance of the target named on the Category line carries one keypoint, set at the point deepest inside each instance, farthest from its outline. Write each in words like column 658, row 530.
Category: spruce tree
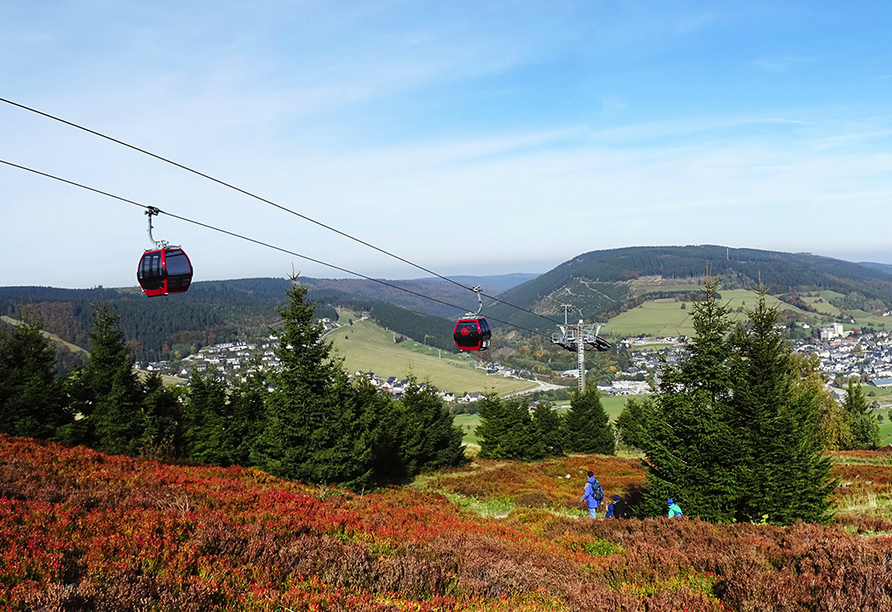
column 548, row 433
column 692, row 452
column 430, row 440
column 107, row 393
column 587, row 427
column 495, row 424
column 162, row 418
column 631, row 424
column 31, row 402
column 383, row 423
column 245, row 416
column 205, row 415
column 863, row 425
column 506, row 430
column 783, row 474
column 310, row 426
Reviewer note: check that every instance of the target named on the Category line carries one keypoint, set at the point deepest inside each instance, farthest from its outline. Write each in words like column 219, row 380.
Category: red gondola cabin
column 164, row 271
column 472, row 334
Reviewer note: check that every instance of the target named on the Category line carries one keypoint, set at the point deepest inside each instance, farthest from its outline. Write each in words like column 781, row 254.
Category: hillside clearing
column 367, row 347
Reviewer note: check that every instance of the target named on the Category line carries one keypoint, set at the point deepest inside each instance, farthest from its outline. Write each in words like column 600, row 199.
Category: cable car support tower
column 574, row 338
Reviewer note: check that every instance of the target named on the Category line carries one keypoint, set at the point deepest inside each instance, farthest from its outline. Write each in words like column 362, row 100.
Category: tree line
column 305, row 421
column 212, row 312
column 598, row 280
column 508, row 430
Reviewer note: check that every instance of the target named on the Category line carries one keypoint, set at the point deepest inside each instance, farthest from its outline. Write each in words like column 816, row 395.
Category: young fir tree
column 505, row 430
column 162, row 417
column 692, row 453
column 31, row 403
column 493, row 427
column 107, row 393
column 245, row 416
column 548, row 435
column 383, row 422
column 310, row 429
column 631, row 424
column 204, row 418
column 783, row 473
column 587, row 427
column 430, row 439
column 863, row 425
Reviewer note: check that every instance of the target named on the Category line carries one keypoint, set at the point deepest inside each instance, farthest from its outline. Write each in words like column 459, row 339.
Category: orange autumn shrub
column 84, row 531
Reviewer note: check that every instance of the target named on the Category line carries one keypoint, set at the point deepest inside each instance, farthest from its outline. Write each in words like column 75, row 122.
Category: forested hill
column 220, row 311
column 154, row 327
column 878, row 266
column 600, row 283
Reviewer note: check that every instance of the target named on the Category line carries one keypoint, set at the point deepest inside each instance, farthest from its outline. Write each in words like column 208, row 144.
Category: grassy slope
column 367, row 347
column 666, row 317
column 54, row 338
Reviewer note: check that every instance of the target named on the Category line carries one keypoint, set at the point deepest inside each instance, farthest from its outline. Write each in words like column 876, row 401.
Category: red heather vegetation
column 84, row 531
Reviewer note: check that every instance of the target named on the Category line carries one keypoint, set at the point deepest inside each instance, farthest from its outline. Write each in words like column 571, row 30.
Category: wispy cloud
column 782, row 64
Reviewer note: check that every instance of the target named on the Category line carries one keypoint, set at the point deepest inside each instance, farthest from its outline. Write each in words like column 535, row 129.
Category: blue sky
column 467, row 137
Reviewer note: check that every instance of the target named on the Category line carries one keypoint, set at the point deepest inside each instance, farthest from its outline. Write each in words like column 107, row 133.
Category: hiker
column 674, row 510
column 593, row 494
column 617, row 509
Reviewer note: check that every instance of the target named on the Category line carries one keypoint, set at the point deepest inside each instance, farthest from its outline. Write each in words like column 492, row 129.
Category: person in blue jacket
column 593, row 494
column 674, row 510
column 617, row 509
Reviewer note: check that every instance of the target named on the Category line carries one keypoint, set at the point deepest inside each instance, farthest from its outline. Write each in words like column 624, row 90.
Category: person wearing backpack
column 593, row 494
column 674, row 510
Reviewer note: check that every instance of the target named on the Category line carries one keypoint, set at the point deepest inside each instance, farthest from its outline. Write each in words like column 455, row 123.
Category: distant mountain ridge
column 600, row 283
column 887, row 268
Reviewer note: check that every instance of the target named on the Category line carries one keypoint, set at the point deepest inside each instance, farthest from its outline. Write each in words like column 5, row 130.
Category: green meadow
column 821, row 303
column 671, row 317
column 369, row 348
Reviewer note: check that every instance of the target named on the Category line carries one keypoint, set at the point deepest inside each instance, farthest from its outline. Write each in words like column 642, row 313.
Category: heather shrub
column 684, row 599
column 596, row 595
column 872, row 524
column 125, row 592
column 87, row 532
column 492, row 567
column 412, row 577
column 467, row 488
column 863, row 589
column 532, row 499
column 219, row 537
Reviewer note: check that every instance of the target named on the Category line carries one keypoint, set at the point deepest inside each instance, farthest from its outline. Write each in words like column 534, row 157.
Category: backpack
column 597, row 491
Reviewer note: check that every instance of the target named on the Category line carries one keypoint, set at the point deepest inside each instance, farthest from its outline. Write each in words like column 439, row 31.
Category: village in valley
column 843, row 354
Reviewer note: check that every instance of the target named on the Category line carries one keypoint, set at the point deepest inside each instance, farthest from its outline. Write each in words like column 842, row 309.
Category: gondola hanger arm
column 151, row 211
column 479, row 303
